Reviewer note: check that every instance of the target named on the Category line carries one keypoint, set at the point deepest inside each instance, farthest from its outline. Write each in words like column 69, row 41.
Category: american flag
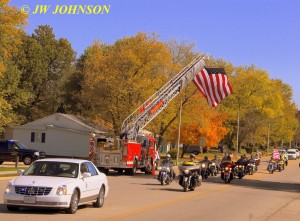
column 213, row 84
column 276, row 154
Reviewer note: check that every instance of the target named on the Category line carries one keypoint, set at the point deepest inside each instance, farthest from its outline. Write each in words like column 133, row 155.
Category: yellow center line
column 191, row 195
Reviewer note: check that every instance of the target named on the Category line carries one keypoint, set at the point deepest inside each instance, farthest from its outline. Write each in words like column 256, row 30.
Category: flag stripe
column 213, row 84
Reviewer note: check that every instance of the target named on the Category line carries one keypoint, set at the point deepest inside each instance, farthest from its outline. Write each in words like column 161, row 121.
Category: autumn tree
column 117, row 78
column 11, row 32
column 257, row 101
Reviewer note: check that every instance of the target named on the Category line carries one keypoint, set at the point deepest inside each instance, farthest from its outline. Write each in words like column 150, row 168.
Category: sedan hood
column 44, row 181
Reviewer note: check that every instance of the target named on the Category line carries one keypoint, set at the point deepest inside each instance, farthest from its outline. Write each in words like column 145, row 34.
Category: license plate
column 30, row 199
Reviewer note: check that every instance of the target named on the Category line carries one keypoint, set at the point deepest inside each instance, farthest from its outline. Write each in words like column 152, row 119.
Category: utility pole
column 179, row 126
column 237, row 132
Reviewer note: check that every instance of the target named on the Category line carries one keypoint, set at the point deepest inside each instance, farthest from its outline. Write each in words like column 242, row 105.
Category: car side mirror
column 20, row 172
column 86, row 175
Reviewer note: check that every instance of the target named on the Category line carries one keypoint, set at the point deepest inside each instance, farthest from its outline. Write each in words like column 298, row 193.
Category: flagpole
column 179, row 126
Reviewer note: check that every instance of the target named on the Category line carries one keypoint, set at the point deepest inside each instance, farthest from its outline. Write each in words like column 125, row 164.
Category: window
column 91, row 169
column 43, row 137
column 32, row 137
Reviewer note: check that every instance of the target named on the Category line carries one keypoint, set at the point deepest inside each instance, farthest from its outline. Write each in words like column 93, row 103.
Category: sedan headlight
column 61, row 190
column 36, row 153
column 8, row 188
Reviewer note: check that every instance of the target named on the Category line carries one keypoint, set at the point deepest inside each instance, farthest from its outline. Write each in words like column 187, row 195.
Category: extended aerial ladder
column 159, row 100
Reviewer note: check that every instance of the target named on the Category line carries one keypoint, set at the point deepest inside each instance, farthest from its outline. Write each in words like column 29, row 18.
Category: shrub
column 173, row 153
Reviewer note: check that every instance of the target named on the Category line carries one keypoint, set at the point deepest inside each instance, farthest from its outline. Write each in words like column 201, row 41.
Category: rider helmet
column 168, row 156
column 192, row 156
column 205, row 158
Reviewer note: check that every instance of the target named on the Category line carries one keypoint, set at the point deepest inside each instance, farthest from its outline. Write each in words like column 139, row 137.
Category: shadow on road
column 31, row 210
column 258, row 184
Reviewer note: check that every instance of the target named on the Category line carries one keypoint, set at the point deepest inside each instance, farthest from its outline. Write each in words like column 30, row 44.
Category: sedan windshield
column 54, row 169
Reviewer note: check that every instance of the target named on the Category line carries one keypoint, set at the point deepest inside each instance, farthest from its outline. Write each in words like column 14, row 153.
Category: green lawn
column 4, row 169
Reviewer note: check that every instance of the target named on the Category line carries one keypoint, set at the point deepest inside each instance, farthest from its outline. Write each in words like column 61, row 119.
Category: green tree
column 45, row 63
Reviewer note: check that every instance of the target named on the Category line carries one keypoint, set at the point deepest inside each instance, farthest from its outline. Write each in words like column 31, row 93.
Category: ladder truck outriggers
column 134, row 150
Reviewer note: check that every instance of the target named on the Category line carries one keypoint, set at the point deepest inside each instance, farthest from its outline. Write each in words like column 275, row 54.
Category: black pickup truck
column 10, row 149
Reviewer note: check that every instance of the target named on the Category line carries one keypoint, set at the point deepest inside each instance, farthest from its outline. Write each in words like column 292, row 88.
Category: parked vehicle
column 193, row 149
column 57, row 183
column 292, row 154
column 189, row 177
column 11, row 149
column 165, row 177
column 227, row 171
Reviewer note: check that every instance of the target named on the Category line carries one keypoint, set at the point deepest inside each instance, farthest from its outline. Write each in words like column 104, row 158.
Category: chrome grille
column 33, row 190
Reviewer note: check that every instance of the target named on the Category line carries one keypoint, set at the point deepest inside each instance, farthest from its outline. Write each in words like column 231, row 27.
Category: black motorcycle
column 204, row 169
column 251, row 167
column 189, row 177
column 240, row 170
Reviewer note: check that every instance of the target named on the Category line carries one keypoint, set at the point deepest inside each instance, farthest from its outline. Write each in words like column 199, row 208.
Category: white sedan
column 57, row 183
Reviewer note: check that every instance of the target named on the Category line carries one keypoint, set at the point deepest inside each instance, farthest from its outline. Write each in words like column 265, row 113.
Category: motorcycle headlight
column 186, row 172
column 214, row 164
column 159, row 168
column 36, row 153
column 61, row 190
column 240, row 166
column 168, row 169
column 226, row 168
column 8, row 188
column 203, row 165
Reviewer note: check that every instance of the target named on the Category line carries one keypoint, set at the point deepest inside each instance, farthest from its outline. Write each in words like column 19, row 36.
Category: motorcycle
column 165, row 176
column 271, row 167
column 189, row 177
column 251, row 167
column 213, row 168
column 204, row 170
column 227, row 171
column 280, row 165
column 239, row 170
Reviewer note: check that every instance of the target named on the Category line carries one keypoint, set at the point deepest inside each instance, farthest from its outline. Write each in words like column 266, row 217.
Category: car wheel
column 13, row 208
column 27, row 160
column 73, row 203
column 100, row 199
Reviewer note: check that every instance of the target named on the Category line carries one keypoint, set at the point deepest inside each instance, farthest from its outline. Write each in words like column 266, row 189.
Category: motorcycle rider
column 170, row 163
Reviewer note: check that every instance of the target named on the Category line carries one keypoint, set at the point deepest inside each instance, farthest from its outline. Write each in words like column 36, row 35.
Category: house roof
column 70, row 122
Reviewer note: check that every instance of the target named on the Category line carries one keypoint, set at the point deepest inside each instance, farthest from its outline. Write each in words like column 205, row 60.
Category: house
column 59, row 135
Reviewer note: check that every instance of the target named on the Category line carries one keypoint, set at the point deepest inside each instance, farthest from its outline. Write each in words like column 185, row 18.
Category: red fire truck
column 135, row 150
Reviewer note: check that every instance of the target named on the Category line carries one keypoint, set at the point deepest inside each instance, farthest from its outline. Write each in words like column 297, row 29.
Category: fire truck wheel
column 132, row 171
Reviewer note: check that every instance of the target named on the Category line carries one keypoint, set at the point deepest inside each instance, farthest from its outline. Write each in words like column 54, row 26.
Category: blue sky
column 261, row 32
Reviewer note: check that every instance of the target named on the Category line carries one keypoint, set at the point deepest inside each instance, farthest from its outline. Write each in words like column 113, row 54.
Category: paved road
column 262, row 196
